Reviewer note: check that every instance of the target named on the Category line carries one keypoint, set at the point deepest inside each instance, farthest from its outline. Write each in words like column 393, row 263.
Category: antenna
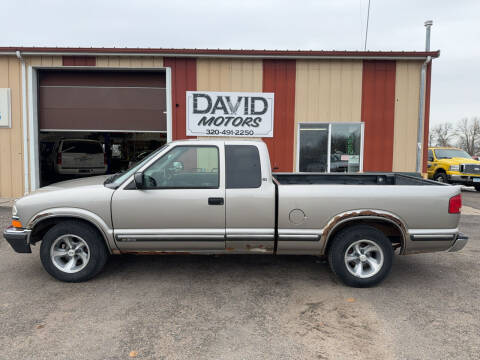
column 366, row 30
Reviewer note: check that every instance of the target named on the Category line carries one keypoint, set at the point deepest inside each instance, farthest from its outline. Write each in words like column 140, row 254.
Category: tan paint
column 130, row 61
column 229, row 75
column 327, row 91
column 11, row 140
column 11, row 145
column 407, row 91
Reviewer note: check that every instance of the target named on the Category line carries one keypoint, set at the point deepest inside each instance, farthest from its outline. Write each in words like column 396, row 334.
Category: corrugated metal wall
column 184, row 78
column 11, row 146
column 407, row 92
column 378, row 113
column 229, row 75
column 327, row 91
column 279, row 78
column 130, row 61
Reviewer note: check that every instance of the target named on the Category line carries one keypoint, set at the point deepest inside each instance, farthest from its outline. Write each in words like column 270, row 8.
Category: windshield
column 117, row 179
column 451, row 153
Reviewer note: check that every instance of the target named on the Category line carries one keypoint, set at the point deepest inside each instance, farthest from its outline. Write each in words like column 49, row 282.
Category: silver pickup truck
column 220, row 197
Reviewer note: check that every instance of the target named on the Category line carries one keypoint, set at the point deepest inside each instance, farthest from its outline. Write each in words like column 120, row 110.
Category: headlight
column 454, row 167
column 14, row 210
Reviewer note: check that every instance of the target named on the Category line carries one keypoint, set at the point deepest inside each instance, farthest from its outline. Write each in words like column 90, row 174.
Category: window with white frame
column 330, row 147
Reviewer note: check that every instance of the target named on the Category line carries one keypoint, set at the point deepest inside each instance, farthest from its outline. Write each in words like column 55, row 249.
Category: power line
column 366, row 30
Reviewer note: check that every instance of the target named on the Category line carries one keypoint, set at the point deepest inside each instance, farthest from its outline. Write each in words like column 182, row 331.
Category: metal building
column 331, row 110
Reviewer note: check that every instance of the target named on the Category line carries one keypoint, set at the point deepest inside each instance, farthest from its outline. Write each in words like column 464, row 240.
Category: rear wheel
column 441, row 177
column 477, row 187
column 361, row 256
column 73, row 251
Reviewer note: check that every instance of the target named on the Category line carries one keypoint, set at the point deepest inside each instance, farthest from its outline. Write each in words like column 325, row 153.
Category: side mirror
column 138, row 178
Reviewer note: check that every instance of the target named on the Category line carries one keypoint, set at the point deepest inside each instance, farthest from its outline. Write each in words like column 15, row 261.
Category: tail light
column 59, row 158
column 455, row 204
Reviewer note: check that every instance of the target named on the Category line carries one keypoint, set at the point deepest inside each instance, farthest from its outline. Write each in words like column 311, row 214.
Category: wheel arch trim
column 75, row 213
column 365, row 214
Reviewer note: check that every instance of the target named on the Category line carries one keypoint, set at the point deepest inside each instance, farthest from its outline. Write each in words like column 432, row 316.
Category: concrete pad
column 6, row 202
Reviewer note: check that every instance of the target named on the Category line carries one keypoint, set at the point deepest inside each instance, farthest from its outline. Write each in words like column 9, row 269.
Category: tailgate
column 79, row 160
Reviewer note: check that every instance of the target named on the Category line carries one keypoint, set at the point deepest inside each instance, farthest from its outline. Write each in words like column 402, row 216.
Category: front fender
column 75, row 213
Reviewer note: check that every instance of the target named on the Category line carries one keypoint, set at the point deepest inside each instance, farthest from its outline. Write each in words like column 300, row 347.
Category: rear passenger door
column 250, row 201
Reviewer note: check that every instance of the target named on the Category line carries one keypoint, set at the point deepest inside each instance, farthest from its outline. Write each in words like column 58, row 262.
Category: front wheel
column 441, row 177
column 72, row 251
column 361, row 256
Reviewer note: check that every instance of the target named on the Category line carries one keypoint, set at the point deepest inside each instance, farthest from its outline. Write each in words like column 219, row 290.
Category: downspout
column 24, row 124
column 421, row 111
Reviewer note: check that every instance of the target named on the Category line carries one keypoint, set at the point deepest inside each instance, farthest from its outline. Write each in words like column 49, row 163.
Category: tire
column 73, row 251
column 375, row 248
column 441, row 177
column 477, row 187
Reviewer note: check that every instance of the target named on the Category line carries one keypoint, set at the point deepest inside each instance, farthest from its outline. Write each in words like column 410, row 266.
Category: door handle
column 215, row 201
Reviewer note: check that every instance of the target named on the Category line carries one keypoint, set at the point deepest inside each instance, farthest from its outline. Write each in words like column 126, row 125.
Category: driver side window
column 193, row 167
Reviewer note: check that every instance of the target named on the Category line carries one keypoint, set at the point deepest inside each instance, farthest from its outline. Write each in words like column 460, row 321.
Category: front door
column 181, row 206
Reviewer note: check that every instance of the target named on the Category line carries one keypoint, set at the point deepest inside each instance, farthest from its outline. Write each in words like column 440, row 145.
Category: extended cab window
column 242, row 167
column 194, row 167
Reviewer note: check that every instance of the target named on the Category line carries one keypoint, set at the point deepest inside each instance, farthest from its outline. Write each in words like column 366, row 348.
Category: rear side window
column 84, row 147
column 242, row 167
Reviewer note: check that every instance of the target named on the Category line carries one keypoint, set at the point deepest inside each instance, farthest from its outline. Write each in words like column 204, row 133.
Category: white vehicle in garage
column 78, row 157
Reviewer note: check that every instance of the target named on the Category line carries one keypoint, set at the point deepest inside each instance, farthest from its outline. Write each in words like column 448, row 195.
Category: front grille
column 470, row 168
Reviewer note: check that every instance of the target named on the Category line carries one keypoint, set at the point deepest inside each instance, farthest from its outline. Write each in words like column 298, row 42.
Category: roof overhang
column 221, row 53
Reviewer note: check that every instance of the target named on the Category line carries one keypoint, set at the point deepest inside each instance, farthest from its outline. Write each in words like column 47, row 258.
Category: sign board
column 238, row 114
column 5, row 108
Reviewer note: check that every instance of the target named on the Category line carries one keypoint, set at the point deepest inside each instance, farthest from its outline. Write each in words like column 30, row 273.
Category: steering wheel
column 150, row 181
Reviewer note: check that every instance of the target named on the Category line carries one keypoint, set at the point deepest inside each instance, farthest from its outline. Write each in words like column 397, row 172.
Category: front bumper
column 18, row 239
column 465, row 179
column 459, row 243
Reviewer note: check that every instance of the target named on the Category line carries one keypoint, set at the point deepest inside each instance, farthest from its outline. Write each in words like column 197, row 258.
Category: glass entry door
column 313, row 147
column 334, row 147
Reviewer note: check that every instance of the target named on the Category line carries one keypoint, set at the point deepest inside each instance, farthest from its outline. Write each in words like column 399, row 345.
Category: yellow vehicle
column 454, row 166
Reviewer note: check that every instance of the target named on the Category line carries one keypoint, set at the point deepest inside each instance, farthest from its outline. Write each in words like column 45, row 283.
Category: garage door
column 102, row 100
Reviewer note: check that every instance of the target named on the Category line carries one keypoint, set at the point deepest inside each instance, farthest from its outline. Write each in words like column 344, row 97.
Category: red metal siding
column 426, row 126
column 79, row 60
column 279, row 78
column 378, row 113
column 184, row 78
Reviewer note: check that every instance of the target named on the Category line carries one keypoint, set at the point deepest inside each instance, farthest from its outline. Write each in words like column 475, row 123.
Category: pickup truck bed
column 351, row 179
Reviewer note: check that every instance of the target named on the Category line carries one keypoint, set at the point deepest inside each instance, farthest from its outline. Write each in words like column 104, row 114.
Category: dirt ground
column 243, row 307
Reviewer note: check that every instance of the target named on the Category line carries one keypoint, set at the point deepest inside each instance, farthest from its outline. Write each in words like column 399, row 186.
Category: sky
column 268, row 24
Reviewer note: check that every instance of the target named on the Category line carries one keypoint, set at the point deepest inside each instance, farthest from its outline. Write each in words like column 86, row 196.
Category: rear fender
column 364, row 214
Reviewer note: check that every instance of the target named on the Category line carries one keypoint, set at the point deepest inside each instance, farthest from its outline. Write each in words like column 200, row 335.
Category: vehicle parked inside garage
column 454, row 166
column 78, row 157
column 220, row 197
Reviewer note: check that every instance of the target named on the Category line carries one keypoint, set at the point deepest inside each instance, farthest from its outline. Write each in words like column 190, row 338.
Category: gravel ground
column 243, row 307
